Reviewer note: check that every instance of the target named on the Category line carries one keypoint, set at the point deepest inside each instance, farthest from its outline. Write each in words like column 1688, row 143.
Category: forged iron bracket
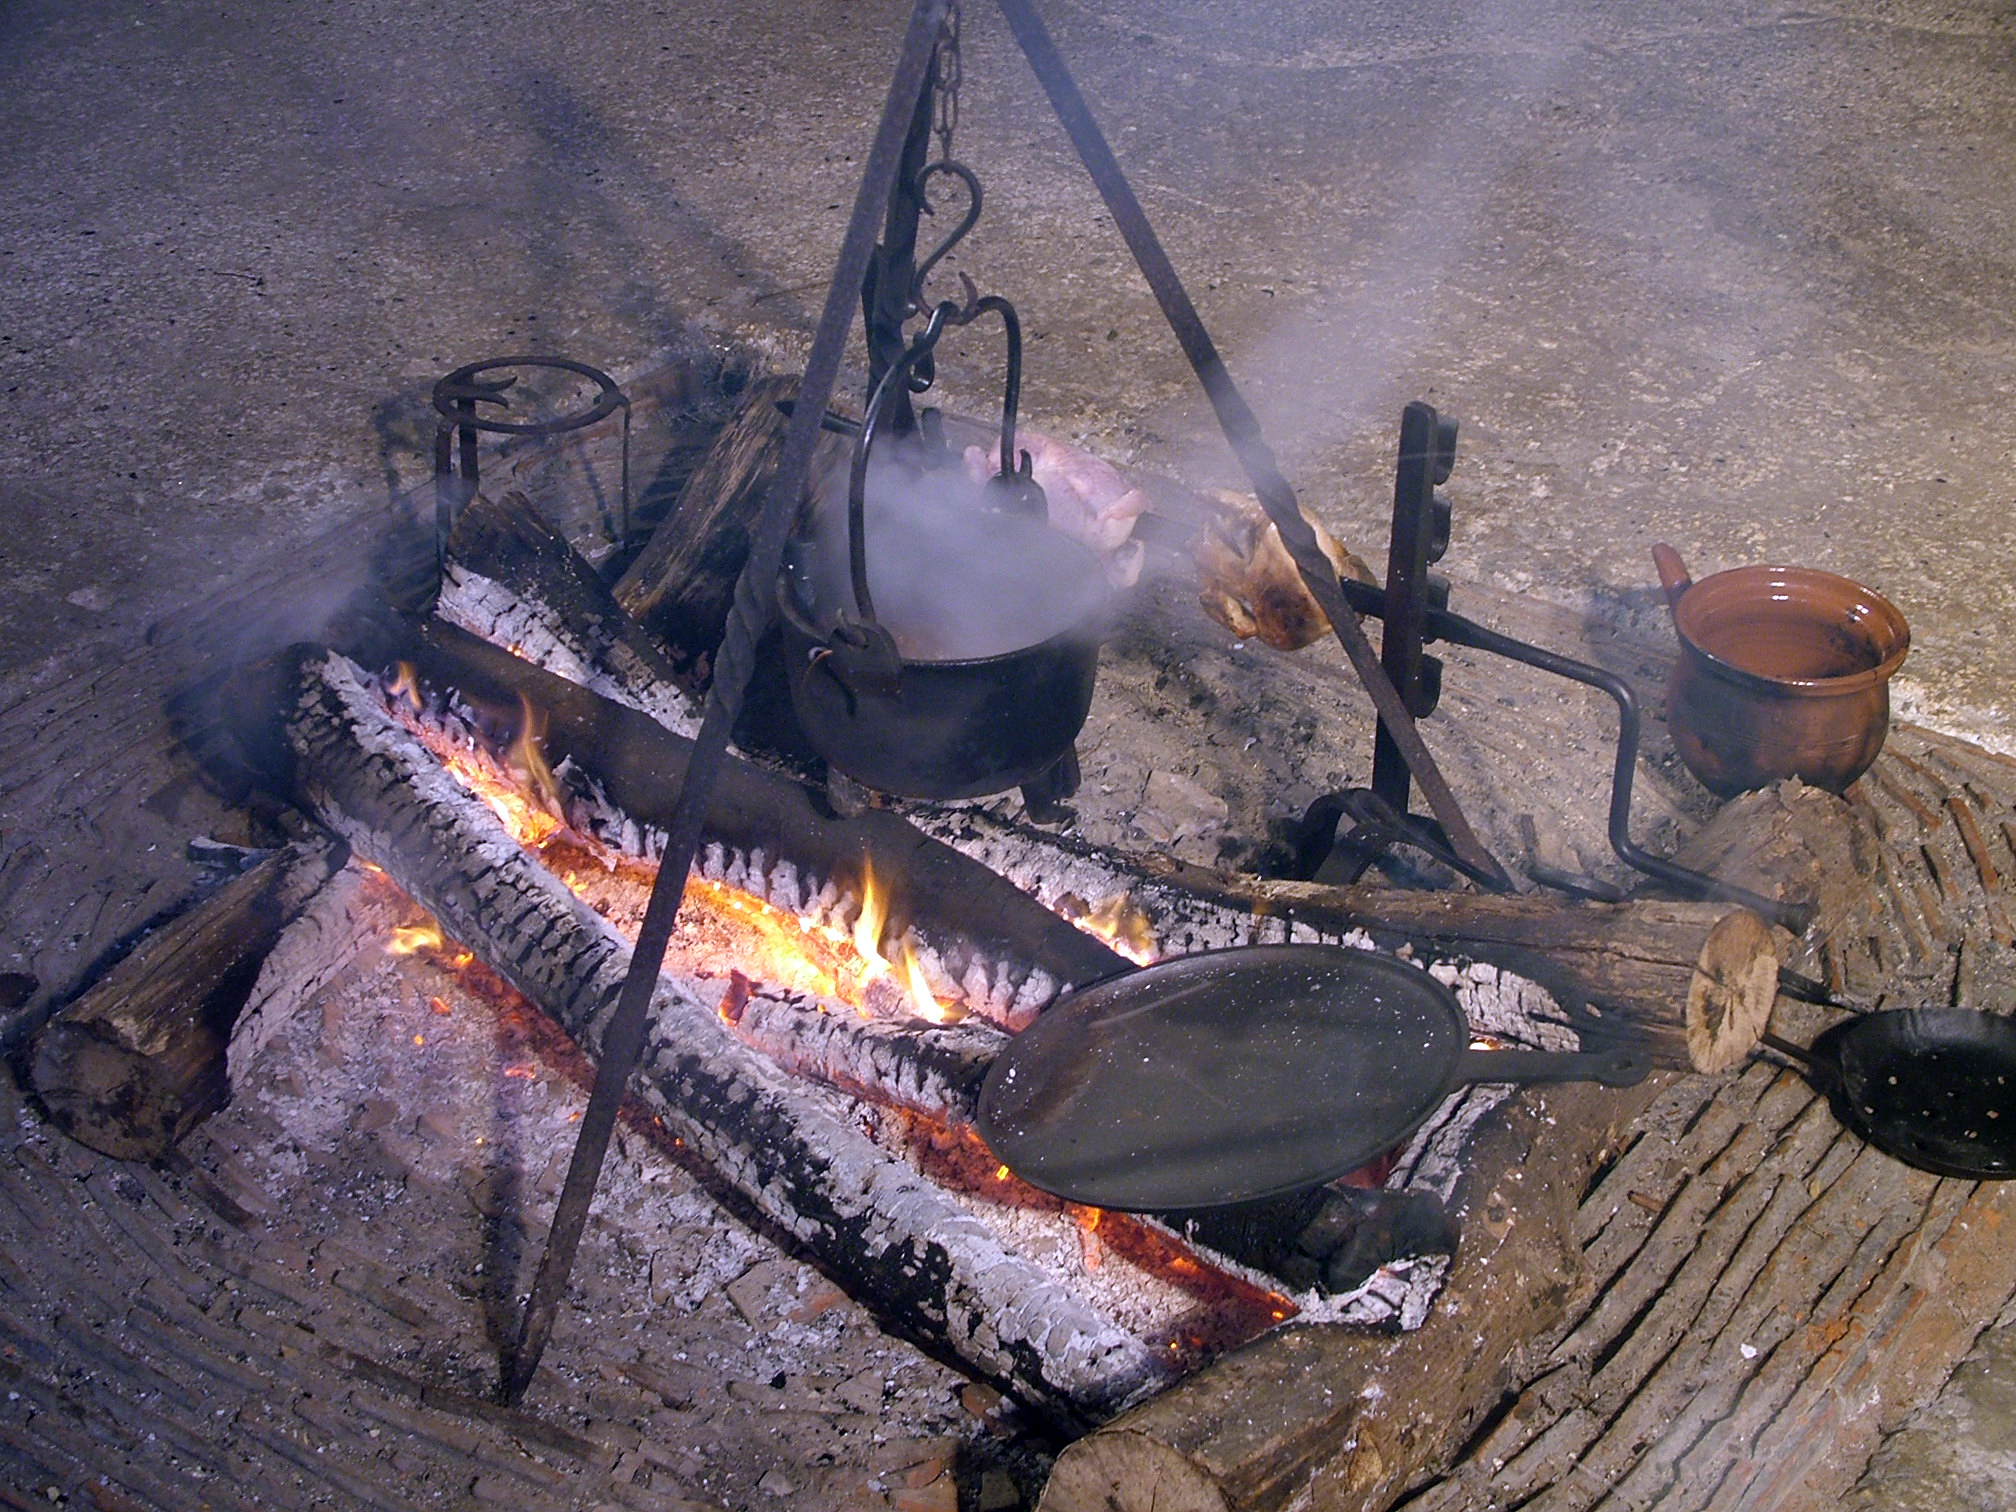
column 1326, row 852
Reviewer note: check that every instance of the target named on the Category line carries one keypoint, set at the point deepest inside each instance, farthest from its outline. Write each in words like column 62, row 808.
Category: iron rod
column 1242, row 429
column 750, row 616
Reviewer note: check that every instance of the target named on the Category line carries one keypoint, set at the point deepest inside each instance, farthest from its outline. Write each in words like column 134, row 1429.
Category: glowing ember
column 411, row 939
column 1118, row 921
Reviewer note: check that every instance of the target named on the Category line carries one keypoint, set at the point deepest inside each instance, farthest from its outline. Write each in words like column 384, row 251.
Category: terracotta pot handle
column 1672, row 573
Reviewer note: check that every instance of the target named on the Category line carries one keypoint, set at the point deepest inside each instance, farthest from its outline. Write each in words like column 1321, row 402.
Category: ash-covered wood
column 139, row 1059
column 931, row 1069
column 911, row 1251
column 512, row 577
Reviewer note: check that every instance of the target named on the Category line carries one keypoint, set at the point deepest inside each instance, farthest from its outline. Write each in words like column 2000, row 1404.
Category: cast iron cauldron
column 944, row 644
column 942, row 727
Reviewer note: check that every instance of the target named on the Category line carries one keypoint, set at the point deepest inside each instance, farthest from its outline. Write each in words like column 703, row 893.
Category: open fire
column 724, row 930
column 1186, row 1304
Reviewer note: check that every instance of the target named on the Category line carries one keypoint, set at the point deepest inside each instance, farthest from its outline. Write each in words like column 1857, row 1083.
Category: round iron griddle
column 1238, row 1074
column 1934, row 1087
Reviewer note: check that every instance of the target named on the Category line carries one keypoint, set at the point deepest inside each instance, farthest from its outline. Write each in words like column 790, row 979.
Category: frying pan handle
column 1614, row 1068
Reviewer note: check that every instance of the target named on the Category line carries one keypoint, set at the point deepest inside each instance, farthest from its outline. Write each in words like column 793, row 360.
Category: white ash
column 494, row 613
column 344, row 923
column 430, row 1166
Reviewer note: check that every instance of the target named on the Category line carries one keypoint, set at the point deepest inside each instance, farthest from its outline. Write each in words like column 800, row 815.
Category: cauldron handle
column 894, row 380
column 1672, row 574
column 1015, row 479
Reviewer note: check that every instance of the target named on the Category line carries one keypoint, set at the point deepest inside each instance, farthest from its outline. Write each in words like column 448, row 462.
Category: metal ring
column 607, row 402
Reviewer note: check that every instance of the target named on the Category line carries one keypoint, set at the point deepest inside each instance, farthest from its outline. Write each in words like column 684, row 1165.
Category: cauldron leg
column 1043, row 795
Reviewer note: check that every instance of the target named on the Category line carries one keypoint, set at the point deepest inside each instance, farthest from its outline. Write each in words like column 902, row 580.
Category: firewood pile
column 1697, row 1292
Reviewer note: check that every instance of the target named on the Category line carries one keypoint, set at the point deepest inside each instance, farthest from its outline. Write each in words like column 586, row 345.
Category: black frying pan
column 1240, row 1074
column 1933, row 1087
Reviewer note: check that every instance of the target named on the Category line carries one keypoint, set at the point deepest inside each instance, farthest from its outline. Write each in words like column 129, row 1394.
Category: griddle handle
column 1614, row 1068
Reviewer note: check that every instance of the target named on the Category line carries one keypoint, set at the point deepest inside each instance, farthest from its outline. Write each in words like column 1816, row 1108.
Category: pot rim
column 1883, row 616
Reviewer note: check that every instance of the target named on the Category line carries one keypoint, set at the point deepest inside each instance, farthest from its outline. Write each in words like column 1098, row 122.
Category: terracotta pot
column 1783, row 672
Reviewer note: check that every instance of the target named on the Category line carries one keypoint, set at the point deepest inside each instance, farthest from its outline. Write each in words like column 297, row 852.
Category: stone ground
column 1739, row 278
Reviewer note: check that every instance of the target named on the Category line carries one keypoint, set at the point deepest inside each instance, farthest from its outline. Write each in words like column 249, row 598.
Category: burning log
column 139, row 1059
column 1005, row 954
column 931, row 1069
column 911, row 1252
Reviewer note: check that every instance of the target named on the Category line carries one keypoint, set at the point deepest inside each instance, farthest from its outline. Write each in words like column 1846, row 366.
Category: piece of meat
column 1248, row 583
column 1090, row 500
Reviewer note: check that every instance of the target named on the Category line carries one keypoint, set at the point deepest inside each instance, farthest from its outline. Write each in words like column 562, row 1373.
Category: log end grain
column 1734, row 985
column 1128, row 1472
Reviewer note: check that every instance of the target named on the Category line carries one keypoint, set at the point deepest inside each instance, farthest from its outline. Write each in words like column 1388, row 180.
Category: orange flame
column 770, row 944
column 411, row 939
column 904, row 966
column 1118, row 921
column 406, row 687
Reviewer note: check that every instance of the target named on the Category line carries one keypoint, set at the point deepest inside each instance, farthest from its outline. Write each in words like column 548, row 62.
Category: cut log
column 512, row 577
column 682, row 583
column 1696, row 980
column 139, row 1059
column 911, row 1252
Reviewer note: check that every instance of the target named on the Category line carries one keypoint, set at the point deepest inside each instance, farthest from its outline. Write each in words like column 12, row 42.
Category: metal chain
column 946, row 77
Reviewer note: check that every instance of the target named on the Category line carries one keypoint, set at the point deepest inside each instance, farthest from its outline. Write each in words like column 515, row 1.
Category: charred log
column 139, row 1059
column 512, row 578
column 910, row 1251
column 929, row 1069
column 682, row 583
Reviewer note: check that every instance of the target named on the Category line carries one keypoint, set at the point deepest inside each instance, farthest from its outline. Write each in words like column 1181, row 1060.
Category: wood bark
column 909, row 1251
column 139, row 1059
column 507, row 541
column 682, row 583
